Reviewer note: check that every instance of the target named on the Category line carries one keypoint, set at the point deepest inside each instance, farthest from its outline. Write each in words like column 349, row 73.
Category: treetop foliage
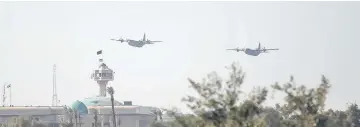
column 217, row 103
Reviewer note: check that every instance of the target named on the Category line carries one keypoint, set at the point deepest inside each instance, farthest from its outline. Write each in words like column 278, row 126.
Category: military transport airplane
column 137, row 43
column 253, row 52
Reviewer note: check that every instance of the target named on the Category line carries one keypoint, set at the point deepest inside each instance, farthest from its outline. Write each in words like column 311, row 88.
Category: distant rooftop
column 93, row 101
column 100, row 101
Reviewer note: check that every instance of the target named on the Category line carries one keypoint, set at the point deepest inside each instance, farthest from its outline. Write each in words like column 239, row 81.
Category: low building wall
column 126, row 116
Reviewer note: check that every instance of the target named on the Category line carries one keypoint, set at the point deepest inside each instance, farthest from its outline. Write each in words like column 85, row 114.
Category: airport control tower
column 102, row 76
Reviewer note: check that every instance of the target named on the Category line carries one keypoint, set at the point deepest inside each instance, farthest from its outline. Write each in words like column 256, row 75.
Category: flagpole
column 99, row 53
column 101, row 56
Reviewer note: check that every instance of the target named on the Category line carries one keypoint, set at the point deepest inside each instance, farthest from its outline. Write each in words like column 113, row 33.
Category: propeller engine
column 264, row 50
column 240, row 49
column 237, row 49
column 120, row 39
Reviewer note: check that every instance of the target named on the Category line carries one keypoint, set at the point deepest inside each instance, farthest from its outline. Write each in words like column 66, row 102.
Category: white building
column 84, row 113
column 126, row 116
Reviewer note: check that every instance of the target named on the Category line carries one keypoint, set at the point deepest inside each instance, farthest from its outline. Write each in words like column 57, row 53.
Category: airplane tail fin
column 144, row 37
column 259, row 46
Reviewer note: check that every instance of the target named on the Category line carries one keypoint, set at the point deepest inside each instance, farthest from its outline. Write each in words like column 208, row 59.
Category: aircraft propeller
column 120, row 39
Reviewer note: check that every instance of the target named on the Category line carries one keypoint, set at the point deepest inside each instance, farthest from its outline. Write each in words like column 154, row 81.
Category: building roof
column 100, row 101
column 103, row 66
column 80, row 107
column 31, row 110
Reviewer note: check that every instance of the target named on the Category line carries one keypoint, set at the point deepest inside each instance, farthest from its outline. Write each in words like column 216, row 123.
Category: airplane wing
column 271, row 49
column 236, row 49
column 151, row 42
column 231, row 49
column 265, row 50
column 155, row 41
column 120, row 39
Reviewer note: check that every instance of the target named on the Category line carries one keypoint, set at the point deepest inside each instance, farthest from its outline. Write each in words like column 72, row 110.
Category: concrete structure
column 102, row 76
column 126, row 116
column 87, row 112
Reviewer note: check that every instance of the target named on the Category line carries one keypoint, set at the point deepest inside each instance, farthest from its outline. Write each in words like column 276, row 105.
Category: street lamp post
column 3, row 96
column 6, row 86
column 9, row 86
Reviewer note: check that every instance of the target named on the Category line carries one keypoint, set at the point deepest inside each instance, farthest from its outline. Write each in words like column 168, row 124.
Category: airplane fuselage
column 138, row 44
column 252, row 52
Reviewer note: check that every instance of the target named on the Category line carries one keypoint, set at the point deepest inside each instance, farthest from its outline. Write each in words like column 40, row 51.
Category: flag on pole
column 8, row 86
column 99, row 52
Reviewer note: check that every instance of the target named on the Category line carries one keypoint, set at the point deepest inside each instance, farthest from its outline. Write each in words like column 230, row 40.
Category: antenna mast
column 54, row 98
column 4, row 97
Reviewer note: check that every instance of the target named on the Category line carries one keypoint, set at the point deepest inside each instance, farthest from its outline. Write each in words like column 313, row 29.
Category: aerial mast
column 54, row 98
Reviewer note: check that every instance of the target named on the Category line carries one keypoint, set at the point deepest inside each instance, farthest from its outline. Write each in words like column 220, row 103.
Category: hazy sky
column 314, row 38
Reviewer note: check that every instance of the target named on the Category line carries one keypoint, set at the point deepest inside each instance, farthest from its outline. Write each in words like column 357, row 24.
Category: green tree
column 272, row 117
column 18, row 122
column 95, row 112
column 337, row 118
column 303, row 104
column 181, row 120
column 217, row 102
column 21, row 122
column 69, row 114
column 111, row 91
column 353, row 115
